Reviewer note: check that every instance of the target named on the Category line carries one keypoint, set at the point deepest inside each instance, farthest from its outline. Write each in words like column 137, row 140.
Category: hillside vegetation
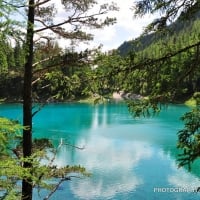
column 170, row 59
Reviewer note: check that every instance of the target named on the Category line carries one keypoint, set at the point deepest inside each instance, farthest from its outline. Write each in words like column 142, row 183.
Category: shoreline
column 96, row 99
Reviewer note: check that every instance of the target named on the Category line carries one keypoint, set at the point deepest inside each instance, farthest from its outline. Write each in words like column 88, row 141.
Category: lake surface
column 128, row 158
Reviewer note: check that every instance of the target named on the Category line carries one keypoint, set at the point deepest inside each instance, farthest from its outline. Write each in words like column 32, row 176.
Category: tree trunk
column 27, row 101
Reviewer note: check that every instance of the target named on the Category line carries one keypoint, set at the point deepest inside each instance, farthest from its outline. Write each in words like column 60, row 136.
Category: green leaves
column 42, row 171
column 189, row 138
column 143, row 107
column 10, row 168
column 3, row 62
column 10, row 131
column 62, row 87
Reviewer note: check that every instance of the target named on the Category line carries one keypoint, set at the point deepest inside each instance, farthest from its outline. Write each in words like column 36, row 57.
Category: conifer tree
column 41, row 19
column 41, row 12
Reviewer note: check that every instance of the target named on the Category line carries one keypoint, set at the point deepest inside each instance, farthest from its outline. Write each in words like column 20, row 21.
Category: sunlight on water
column 128, row 158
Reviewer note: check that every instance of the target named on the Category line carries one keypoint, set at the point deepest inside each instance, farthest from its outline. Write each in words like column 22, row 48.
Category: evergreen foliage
column 11, row 163
column 189, row 138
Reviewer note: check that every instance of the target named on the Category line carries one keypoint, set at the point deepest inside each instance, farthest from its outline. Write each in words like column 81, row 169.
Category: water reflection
column 126, row 170
column 182, row 179
column 112, row 164
column 127, row 158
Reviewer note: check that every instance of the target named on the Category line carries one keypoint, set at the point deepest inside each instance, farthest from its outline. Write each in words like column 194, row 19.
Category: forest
column 162, row 66
column 76, row 68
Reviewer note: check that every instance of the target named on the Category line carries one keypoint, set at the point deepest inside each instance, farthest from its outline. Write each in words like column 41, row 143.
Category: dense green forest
column 65, row 73
column 180, row 31
column 161, row 66
column 70, row 75
column 181, row 72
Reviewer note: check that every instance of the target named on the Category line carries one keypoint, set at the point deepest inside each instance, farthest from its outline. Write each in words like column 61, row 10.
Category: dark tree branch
column 81, row 19
column 58, row 184
column 43, row 37
column 38, row 110
column 41, row 3
column 149, row 62
column 47, row 68
column 51, row 26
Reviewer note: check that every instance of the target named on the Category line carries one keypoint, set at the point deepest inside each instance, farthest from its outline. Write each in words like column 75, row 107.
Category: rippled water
column 128, row 158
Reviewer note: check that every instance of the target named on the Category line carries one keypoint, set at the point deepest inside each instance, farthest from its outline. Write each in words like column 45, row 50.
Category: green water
column 128, row 158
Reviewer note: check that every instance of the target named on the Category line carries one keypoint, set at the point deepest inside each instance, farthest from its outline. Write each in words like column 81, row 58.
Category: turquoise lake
column 128, row 158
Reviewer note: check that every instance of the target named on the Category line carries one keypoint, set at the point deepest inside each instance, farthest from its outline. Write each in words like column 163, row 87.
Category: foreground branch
column 68, row 178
